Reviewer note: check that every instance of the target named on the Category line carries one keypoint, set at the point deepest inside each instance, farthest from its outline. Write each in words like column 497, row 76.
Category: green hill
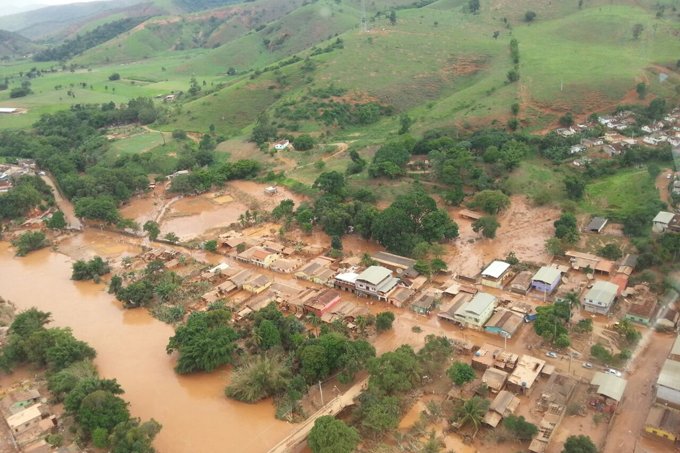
column 14, row 45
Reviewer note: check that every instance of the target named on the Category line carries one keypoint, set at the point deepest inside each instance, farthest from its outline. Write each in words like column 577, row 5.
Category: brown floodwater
column 130, row 344
column 192, row 216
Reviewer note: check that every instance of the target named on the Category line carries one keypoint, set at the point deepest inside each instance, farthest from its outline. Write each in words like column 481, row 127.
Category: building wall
column 659, row 227
column 592, row 307
column 544, row 287
column 669, row 396
column 637, row 319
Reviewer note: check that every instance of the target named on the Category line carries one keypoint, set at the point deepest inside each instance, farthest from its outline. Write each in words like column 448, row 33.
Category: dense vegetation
column 29, row 192
column 102, row 417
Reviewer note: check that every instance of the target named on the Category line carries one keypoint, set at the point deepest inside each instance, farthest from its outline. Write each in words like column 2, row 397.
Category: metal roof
column 670, row 375
column 495, row 269
column 596, row 223
column 609, row 385
column 374, row 274
column 547, row 274
column 676, row 346
column 602, row 291
column 479, row 303
column 663, row 217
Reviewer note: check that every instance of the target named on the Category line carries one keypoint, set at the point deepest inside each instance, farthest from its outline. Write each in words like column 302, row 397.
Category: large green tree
column 579, row 444
column 330, row 435
column 102, row 409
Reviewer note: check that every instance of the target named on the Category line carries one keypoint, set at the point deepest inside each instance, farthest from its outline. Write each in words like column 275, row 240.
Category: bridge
column 333, row 407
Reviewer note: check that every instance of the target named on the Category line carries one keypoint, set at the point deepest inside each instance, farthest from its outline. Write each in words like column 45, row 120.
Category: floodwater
column 91, row 243
column 195, row 415
column 192, row 216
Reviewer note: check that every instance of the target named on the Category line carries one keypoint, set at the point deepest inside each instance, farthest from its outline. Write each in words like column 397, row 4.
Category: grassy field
column 137, row 143
column 620, row 193
column 537, row 180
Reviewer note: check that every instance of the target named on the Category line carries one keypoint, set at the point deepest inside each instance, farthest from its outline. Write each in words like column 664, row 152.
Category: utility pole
column 321, row 392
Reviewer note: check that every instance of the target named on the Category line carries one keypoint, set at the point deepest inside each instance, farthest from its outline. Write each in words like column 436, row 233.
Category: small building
column 285, row 265
column 504, row 405
column 596, row 224
column 448, row 312
column 485, row 357
column 496, row 274
column 600, row 298
column 320, row 302
column 609, row 388
column 521, row 283
column 318, row 271
column 271, row 190
column 504, row 323
column 470, row 215
column 375, row 281
column 668, row 384
column 400, row 296
column 524, row 376
column 643, row 311
column 546, row 279
column 424, row 304
column 494, row 379
column 25, row 419
column 663, row 422
column 257, row 284
column 477, row 311
column 19, row 400
column 664, row 221
column 281, row 145
column 259, row 256
column 346, row 281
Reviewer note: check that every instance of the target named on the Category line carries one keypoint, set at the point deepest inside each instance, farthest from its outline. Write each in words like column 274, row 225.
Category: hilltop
column 14, row 44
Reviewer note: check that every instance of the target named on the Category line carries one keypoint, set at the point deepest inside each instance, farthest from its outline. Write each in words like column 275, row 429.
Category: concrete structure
column 399, row 264
column 525, row 374
column 25, row 419
column 259, row 256
column 546, row 279
column 668, row 384
column 675, row 350
column 600, row 298
column 496, row 274
column 376, row 281
column 663, row 422
column 477, row 311
column 318, row 271
column 346, row 281
column 400, row 296
column 257, row 284
column 448, row 311
column 504, row 323
column 610, row 388
column 494, row 379
column 596, row 224
column 281, row 145
column 643, row 312
column 19, row 400
column 664, row 221
column 319, row 302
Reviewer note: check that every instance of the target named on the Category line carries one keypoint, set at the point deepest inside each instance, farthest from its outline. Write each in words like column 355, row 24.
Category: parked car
column 614, row 372
column 587, row 365
column 551, row 354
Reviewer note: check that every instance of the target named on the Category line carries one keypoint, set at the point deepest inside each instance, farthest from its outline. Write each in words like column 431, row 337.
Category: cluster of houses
column 663, row 420
column 9, row 172
column 614, row 142
column 28, row 418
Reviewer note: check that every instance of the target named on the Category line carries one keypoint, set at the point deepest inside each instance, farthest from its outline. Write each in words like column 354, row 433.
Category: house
column 449, row 311
column 610, row 390
column 485, row 357
column 399, row 264
column 668, row 384
column 665, row 221
column 400, row 295
column 596, row 224
column 257, row 284
column 663, row 422
column 643, row 311
column 25, row 419
column 240, row 278
column 600, row 298
column 375, row 281
column 521, row 283
column 504, row 323
column 424, row 304
column 524, row 375
column 259, row 256
column 496, row 274
column 320, row 301
column 477, row 311
column 318, row 271
column 546, row 279
column 346, row 281
column 494, row 379
column 281, row 145
column 503, row 405
column 285, row 265
column 19, row 400
column 575, row 149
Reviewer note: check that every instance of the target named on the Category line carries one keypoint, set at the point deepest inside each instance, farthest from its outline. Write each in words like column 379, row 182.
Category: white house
column 662, row 221
column 600, row 298
column 281, row 145
column 477, row 311
column 496, row 274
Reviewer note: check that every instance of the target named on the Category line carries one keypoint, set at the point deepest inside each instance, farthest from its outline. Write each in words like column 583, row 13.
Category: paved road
column 332, row 408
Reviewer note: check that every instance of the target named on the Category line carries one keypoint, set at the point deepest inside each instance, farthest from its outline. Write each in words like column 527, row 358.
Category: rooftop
column 602, row 291
column 670, row 375
column 480, row 303
column 494, row 378
column 663, row 217
column 24, row 416
column 596, row 224
column 676, row 346
column 609, row 385
column 665, row 418
column 547, row 274
column 348, row 277
column 527, row 370
column 394, row 260
column 495, row 269
column 374, row 274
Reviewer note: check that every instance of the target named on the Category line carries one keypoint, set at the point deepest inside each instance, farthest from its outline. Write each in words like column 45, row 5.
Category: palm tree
column 472, row 411
column 260, row 377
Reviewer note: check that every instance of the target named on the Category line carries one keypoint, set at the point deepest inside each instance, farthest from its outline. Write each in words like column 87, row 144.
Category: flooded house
column 399, row 264
column 668, row 384
column 319, row 302
column 424, row 304
column 494, row 379
column 346, row 281
column 257, row 283
column 546, row 279
column 504, row 405
column 600, row 298
column 521, row 283
column 318, row 271
column 477, row 311
column 400, row 296
column 496, row 274
column 525, row 374
column 375, row 282
column 608, row 391
column 504, row 323
column 258, row 256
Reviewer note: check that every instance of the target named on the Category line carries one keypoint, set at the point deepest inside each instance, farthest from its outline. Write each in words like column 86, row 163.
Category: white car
column 614, row 372
column 587, row 365
column 551, row 354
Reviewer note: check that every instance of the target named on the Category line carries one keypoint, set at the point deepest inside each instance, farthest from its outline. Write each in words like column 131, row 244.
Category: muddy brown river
column 130, row 344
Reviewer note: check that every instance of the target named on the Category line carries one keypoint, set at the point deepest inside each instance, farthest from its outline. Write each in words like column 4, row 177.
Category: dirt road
column 624, row 435
column 662, row 182
column 64, row 205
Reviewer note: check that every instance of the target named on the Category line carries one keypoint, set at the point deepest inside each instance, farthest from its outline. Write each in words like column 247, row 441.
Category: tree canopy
column 330, row 435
